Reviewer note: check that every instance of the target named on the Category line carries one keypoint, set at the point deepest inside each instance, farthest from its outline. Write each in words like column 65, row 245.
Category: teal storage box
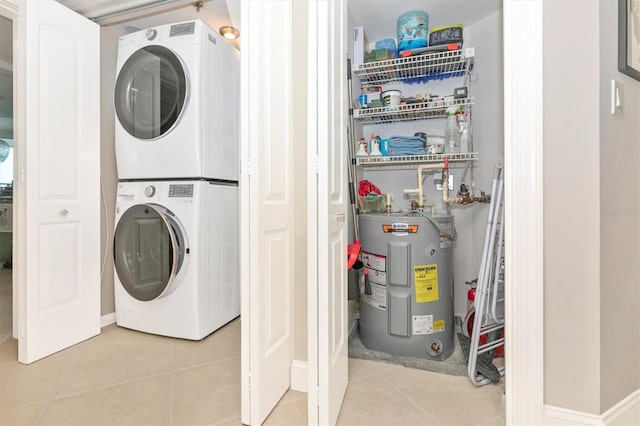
column 413, row 30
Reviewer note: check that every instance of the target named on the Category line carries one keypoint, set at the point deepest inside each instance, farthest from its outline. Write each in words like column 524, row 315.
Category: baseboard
column 564, row 416
column 299, row 376
column 625, row 412
column 107, row 319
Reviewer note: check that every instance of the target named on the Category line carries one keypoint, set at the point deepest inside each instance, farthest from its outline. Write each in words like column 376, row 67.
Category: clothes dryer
column 177, row 104
column 176, row 257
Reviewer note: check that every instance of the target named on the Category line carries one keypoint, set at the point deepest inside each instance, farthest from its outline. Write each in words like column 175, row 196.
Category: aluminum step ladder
column 489, row 299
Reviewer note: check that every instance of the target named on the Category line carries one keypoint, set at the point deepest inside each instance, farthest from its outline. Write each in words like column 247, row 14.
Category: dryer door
column 151, row 92
column 149, row 249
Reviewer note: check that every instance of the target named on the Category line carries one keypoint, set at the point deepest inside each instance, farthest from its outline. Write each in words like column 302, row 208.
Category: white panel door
column 266, row 183
column 59, row 291
column 328, row 236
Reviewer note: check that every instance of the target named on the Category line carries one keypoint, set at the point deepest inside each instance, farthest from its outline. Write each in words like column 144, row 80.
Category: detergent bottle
column 452, row 131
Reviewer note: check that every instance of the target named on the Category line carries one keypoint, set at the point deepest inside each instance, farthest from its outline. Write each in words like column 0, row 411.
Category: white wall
column 488, row 112
column 591, row 212
column 619, row 223
column 571, row 204
column 108, row 55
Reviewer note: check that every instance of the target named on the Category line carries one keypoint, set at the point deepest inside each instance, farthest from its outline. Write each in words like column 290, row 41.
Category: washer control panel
column 181, row 190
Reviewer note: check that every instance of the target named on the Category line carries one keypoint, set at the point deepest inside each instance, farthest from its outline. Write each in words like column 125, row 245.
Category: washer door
column 149, row 251
column 151, row 92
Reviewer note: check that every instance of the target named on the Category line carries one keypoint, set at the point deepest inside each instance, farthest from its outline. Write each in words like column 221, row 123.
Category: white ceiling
column 130, row 15
column 213, row 12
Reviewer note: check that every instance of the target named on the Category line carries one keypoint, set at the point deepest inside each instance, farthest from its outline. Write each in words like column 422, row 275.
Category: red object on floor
column 471, row 316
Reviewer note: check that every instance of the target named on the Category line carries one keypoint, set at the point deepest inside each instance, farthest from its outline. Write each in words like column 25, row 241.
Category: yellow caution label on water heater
column 426, row 281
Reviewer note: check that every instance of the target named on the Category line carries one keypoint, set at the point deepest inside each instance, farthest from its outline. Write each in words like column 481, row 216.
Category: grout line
column 228, row 419
column 74, row 358
column 98, row 388
column 295, row 410
column 500, row 417
column 204, row 364
column 301, row 415
column 390, row 367
column 46, row 408
column 410, row 400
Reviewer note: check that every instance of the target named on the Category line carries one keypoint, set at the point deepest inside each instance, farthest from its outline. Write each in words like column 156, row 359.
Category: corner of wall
column 108, row 174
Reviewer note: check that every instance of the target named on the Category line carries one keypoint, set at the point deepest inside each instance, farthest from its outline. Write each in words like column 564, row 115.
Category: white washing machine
column 176, row 257
column 177, row 104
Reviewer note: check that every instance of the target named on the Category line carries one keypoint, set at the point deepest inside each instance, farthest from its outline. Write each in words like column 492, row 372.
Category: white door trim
column 523, row 27
column 8, row 9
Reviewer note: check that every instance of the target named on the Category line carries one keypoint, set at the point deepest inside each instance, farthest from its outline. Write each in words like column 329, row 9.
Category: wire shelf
column 416, row 69
column 409, row 161
column 408, row 112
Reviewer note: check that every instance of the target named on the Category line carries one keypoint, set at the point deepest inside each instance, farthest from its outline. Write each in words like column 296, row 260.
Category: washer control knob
column 150, row 191
column 151, row 34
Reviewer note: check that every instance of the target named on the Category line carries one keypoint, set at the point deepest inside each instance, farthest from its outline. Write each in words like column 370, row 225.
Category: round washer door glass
column 151, row 92
column 149, row 250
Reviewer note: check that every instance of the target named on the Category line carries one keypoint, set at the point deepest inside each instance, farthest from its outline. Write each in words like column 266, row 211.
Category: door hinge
column 316, row 164
column 249, row 382
column 317, row 397
column 245, row 167
column 22, row 176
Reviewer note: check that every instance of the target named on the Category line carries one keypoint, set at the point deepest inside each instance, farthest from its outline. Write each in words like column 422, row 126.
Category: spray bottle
column 374, row 147
column 452, row 131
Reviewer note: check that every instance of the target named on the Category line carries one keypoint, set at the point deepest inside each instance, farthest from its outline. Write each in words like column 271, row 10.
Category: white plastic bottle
column 375, row 147
column 452, row 132
column 362, row 148
column 464, row 137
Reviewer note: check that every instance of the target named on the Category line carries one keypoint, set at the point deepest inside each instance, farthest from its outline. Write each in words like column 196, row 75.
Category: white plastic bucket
column 391, row 98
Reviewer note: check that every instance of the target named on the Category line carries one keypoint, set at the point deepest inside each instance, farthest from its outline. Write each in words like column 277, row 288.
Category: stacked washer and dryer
column 176, row 240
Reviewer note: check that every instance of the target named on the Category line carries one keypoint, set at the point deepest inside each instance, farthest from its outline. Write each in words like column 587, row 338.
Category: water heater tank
column 407, row 306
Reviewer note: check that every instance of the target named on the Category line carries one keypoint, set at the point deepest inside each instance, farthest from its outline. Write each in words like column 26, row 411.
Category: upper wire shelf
column 416, row 68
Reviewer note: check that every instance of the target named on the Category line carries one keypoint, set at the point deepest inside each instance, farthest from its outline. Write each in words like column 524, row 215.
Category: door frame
column 523, row 145
column 524, row 256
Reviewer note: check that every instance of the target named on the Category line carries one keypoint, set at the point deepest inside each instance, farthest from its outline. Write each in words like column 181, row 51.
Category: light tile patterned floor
column 127, row 377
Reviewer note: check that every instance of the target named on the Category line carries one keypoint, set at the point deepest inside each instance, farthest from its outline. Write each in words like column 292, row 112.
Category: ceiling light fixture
column 198, row 5
column 229, row 32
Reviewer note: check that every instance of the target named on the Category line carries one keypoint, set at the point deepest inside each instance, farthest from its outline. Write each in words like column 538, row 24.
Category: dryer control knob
column 150, row 191
column 151, row 34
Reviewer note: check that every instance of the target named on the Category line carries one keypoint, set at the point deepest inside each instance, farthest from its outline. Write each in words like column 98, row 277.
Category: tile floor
column 127, row 377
